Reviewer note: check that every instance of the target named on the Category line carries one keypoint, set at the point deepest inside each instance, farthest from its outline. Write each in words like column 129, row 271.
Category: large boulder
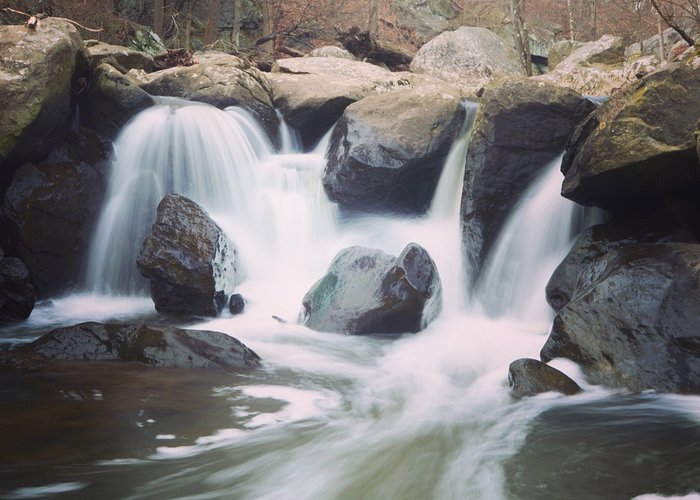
column 122, row 58
column 51, row 208
column 389, row 148
column 312, row 92
column 529, row 377
column 426, row 18
column 111, row 100
column 651, row 45
column 639, row 144
column 38, row 68
column 467, row 56
column 594, row 68
column 17, row 295
column 331, row 51
column 218, row 79
column 636, row 325
column 158, row 346
column 560, row 51
column 190, row 262
column 522, row 125
column 367, row 291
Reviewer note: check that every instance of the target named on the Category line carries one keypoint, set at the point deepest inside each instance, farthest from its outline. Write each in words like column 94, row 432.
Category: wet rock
column 218, row 79
column 111, row 100
column 528, row 377
column 389, row 149
column 636, row 326
column 17, row 295
column 190, row 262
column 312, row 92
column 122, row 58
column 158, row 346
column 522, row 125
column 51, row 208
column 468, row 56
column 37, row 71
column 236, row 304
column 639, row 145
column 367, row 291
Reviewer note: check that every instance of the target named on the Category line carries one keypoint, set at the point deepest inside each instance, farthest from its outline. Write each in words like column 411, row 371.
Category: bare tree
column 520, row 35
column 373, row 25
column 236, row 30
column 211, row 32
column 673, row 11
column 570, row 11
column 158, row 17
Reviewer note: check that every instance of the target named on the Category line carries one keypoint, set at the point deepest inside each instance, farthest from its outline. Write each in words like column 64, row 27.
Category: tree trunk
column 268, row 28
column 188, row 25
column 662, row 42
column 236, row 31
column 373, row 25
column 520, row 35
column 672, row 23
column 211, row 32
column 158, row 17
column 570, row 10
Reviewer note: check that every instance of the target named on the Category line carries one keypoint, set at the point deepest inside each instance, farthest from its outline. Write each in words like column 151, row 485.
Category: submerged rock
column 17, row 295
column 467, row 56
column 528, row 377
column 521, row 126
column 367, row 291
column 38, row 68
column 236, row 304
column 190, row 262
column 389, row 149
column 634, row 323
column 159, row 346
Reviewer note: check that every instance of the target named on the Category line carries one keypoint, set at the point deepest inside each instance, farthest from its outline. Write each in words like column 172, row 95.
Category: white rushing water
column 331, row 416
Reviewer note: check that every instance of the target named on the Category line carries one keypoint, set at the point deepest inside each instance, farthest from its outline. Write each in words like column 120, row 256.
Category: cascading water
column 331, row 416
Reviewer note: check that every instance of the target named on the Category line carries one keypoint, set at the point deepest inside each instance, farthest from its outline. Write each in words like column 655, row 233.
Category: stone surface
column 522, row 125
column 636, row 325
column 331, row 51
column 111, row 100
column 560, row 51
column 37, row 71
column 312, row 92
column 220, row 80
column 467, row 56
column 190, row 262
column 236, row 304
column 528, row 377
column 650, row 46
column 51, row 209
column 389, row 149
column 427, row 18
column 158, row 346
column 122, row 58
column 17, row 295
column 367, row 291
column 639, row 144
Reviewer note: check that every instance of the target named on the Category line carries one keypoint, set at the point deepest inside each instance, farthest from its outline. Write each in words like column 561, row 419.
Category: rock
column 426, row 18
column 17, row 295
column 37, row 71
column 560, row 51
column 594, row 68
column 158, row 346
column 467, row 56
column 236, row 304
column 639, row 144
column 331, row 51
column 650, row 46
column 122, row 58
column 313, row 92
column 636, row 327
column 52, row 207
column 528, row 377
column 188, row 259
column 218, row 79
column 367, row 291
column 111, row 100
column 368, row 47
column 389, row 149
column 522, row 125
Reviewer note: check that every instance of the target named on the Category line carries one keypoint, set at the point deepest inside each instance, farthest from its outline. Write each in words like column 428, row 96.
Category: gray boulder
column 650, row 46
column 528, row 377
column 218, row 79
column 560, row 51
column 190, row 262
column 122, row 58
column 367, row 291
column 636, row 326
column 521, row 126
column 111, row 100
column 331, row 51
column 389, row 149
column 17, row 295
column 426, row 18
column 639, row 144
column 37, row 70
column 157, row 346
column 51, row 208
column 468, row 56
